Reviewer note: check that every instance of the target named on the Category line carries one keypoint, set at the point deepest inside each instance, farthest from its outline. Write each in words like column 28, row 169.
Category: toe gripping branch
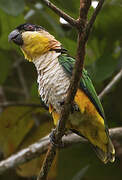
column 53, row 140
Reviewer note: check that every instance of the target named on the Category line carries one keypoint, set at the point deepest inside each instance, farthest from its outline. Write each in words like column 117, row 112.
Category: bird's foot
column 54, row 141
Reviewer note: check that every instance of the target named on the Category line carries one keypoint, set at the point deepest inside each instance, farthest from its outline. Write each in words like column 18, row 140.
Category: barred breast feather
column 53, row 82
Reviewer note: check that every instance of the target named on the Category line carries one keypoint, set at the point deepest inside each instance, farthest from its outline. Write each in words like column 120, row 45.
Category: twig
column 24, row 155
column 40, row 147
column 62, row 14
column 8, row 104
column 106, row 90
column 93, row 18
column 59, row 132
column 113, row 82
column 14, row 90
column 33, row 151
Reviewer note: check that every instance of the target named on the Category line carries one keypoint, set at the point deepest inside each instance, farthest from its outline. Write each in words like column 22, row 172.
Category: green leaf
column 15, row 123
column 115, row 2
column 69, row 44
column 34, row 90
column 69, row 6
column 86, row 85
column 109, row 26
column 8, row 23
column 19, row 127
column 104, row 67
column 12, row 7
column 53, row 23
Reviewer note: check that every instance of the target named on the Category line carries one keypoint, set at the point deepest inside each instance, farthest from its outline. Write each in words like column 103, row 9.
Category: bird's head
column 33, row 40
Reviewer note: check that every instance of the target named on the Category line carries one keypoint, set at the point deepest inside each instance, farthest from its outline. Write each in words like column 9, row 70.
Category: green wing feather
column 86, row 85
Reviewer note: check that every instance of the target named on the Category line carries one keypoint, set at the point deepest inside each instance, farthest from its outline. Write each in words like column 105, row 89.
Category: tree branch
column 25, row 155
column 93, row 18
column 62, row 14
column 40, row 147
column 14, row 90
column 112, row 83
column 77, row 72
column 60, row 129
column 106, row 90
column 9, row 104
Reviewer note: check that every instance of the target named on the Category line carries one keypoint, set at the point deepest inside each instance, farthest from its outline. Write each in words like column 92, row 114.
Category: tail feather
column 109, row 155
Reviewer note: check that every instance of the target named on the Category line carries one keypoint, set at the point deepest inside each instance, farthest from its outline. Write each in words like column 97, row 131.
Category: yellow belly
column 88, row 121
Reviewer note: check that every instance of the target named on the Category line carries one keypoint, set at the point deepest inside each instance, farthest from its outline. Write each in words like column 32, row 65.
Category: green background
column 21, row 126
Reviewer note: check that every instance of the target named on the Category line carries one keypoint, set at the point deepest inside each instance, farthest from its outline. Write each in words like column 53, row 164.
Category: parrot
column 54, row 70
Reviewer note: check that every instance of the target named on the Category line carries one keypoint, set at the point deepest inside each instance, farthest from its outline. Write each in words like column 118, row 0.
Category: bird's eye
column 29, row 28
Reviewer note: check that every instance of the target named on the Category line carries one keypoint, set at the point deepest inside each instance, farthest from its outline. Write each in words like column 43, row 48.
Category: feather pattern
column 91, row 124
column 54, row 69
column 54, row 73
column 52, row 80
column 85, row 82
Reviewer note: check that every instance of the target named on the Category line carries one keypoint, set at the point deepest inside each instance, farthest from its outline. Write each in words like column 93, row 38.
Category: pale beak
column 16, row 37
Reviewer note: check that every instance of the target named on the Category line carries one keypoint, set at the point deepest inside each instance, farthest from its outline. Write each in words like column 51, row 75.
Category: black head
column 29, row 27
column 16, row 35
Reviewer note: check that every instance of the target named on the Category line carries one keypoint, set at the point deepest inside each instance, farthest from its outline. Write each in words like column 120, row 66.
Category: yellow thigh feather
column 88, row 122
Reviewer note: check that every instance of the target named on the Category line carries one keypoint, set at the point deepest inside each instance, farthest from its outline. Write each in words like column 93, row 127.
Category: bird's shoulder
column 86, row 84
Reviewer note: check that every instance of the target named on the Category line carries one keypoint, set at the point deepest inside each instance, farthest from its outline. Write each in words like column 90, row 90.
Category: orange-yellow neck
column 37, row 43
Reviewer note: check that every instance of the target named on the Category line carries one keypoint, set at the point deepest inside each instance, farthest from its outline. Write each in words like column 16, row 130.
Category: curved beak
column 16, row 37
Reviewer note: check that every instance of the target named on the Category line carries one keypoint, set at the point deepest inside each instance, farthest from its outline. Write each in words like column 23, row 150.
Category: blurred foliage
column 21, row 126
column 12, row 7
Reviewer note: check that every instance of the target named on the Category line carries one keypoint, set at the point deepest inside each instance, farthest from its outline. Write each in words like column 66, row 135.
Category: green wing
column 86, row 85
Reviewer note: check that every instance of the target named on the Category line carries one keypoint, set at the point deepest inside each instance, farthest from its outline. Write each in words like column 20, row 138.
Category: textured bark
column 62, row 14
column 40, row 147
